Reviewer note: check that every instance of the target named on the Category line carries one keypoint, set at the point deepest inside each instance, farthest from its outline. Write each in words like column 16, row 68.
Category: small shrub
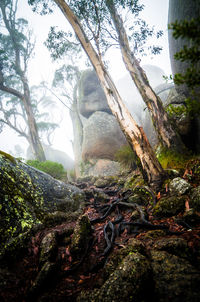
column 54, row 169
column 72, row 175
column 126, row 157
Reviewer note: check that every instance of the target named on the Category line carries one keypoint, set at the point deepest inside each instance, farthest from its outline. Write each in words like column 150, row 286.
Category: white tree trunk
column 167, row 135
column 134, row 134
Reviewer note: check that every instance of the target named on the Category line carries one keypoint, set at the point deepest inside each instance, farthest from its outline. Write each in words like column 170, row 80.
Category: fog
column 41, row 68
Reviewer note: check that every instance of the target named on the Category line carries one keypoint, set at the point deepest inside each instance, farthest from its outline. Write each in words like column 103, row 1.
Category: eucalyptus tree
column 65, row 49
column 167, row 134
column 13, row 114
column 16, row 48
column 104, row 24
column 135, row 135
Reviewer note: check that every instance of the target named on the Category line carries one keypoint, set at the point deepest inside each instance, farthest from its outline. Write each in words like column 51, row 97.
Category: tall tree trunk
column 167, row 135
column 33, row 136
column 35, row 143
column 78, row 132
column 134, row 134
column 34, row 139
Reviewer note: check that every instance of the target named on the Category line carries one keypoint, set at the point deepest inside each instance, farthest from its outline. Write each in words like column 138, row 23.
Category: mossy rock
column 134, row 180
column 48, row 247
column 154, row 234
column 141, row 196
column 106, row 181
column 115, row 259
column 191, row 217
column 81, row 236
column 27, row 196
column 179, row 186
column 195, row 199
column 193, row 167
column 44, row 277
column 169, row 206
column 174, row 246
column 175, row 279
column 170, row 159
column 129, row 282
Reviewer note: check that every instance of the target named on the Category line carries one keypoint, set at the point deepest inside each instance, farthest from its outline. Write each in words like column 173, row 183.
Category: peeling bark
column 167, row 135
column 134, row 134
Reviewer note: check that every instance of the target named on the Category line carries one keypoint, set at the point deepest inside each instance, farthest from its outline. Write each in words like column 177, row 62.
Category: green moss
column 127, row 283
column 154, row 234
column 171, row 160
column 169, row 206
column 81, row 235
column 134, row 180
column 134, row 246
column 8, row 156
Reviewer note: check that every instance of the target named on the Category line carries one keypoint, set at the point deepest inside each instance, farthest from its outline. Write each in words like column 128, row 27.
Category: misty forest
column 99, row 150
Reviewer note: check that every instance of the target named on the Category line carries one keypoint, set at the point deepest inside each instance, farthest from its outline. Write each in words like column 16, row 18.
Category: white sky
column 42, row 69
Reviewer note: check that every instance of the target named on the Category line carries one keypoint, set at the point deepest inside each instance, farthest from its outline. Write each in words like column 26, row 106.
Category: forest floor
column 112, row 228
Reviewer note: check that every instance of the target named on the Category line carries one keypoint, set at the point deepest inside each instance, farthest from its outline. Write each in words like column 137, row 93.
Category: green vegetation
column 176, row 110
column 126, row 157
column 191, row 108
column 72, row 175
column 171, row 159
column 54, row 169
column 190, row 53
column 190, row 30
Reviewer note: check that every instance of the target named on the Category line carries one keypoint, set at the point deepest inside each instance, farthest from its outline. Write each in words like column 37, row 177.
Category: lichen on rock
column 179, row 186
column 175, row 279
column 169, row 206
column 81, row 236
column 27, row 196
column 128, row 282
column 195, row 199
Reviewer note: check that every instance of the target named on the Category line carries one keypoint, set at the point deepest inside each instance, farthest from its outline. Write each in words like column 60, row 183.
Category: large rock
column 129, row 282
column 97, row 135
column 28, row 196
column 100, row 167
column 91, row 95
column 175, row 279
column 102, row 137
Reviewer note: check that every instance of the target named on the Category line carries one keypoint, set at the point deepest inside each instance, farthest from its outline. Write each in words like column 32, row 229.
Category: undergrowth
column 54, row 169
column 173, row 160
column 126, row 157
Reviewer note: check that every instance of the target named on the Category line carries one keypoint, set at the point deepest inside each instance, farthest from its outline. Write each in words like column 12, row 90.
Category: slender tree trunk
column 134, row 134
column 34, row 139
column 35, row 143
column 167, row 135
column 78, row 132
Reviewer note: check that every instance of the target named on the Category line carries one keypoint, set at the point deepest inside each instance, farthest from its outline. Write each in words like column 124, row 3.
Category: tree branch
column 11, row 91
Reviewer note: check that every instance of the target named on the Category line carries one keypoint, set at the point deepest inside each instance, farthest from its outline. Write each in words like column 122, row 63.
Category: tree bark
column 167, row 135
column 78, row 132
column 152, row 169
column 34, row 139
